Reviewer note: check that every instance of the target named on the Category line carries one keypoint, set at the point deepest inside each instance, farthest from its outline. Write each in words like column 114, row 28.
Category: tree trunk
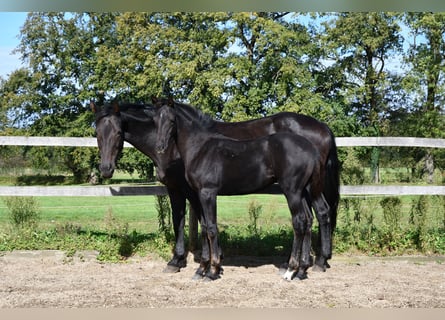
column 429, row 167
column 375, row 167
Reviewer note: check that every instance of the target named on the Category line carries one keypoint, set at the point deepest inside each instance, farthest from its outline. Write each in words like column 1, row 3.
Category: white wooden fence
column 156, row 190
column 341, row 142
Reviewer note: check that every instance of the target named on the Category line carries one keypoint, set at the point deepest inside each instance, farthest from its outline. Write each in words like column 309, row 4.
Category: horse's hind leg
column 301, row 222
column 305, row 258
column 324, row 253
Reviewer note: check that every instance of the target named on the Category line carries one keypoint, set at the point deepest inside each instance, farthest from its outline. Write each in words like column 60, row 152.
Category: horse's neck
column 143, row 141
column 140, row 135
column 190, row 136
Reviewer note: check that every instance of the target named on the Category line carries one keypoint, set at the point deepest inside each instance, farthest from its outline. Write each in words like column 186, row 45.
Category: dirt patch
column 50, row 279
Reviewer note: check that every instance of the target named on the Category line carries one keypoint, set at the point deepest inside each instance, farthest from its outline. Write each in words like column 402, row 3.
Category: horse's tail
column 331, row 188
column 316, row 182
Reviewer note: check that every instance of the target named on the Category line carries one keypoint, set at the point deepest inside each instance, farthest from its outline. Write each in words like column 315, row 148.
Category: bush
column 22, row 211
column 255, row 209
column 164, row 216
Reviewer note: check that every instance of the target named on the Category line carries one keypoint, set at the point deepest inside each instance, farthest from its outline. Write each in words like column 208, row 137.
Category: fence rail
column 106, row 191
column 341, row 142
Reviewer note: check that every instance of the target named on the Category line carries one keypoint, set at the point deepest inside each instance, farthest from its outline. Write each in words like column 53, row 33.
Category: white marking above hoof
column 288, row 275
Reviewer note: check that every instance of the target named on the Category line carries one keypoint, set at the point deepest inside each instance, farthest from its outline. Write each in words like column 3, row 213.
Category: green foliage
column 22, row 211
column 352, row 170
column 255, row 210
column 133, row 161
column 391, row 217
column 164, row 216
column 386, row 230
column 391, row 212
column 417, row 219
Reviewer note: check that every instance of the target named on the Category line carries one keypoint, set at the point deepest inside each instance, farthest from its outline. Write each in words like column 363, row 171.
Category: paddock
column 49, row 279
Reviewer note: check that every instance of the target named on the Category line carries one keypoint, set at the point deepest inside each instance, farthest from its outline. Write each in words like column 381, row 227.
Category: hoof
column 301, row 275
column 197, row 276
column 171, row 269
column 317, row 268
column 211, row 276
column 288, row 275
column 175, row 265
column 320, row 265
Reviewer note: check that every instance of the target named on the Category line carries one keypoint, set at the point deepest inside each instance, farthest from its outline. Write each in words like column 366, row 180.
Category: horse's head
column 165, row 122
column 110, row 137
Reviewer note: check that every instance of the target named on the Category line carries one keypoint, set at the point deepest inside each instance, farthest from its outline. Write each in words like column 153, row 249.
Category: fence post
column 193, row 230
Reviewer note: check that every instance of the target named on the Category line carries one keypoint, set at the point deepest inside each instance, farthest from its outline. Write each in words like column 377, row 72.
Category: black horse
column 215, row 164
column 321, row 137
column 134, row 124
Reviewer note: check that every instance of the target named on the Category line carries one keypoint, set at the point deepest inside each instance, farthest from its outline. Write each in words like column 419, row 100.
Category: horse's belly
column 245, row 185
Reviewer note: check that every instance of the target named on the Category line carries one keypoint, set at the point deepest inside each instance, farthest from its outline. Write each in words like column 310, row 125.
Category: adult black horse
column 134, row 123
column 216, row 164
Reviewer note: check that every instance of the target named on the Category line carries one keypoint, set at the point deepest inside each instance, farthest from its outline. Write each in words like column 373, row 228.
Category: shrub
column 255, row 210
column 164, row 216
column 22, row 211
column 392, row 212
column 417, row 220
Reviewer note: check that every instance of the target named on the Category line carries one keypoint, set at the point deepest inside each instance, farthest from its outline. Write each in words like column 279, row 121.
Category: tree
column 269, row 67
column 166, row 54
column 361, row 43
column 48, row 97
column 425, row 82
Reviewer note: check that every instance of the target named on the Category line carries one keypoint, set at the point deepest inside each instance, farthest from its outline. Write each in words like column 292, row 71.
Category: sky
column 10, row 24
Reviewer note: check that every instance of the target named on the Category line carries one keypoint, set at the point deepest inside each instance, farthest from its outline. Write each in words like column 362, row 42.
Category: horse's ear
column 115, row 106
column 93, row 106
column 170, row 102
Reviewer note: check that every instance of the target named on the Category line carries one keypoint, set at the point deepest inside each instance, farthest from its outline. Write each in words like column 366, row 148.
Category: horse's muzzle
column 106, row 170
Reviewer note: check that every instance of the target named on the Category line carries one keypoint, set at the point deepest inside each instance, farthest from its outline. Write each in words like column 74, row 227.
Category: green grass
column 232, row 210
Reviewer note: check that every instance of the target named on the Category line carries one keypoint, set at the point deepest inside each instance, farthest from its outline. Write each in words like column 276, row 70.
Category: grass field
column 140, row 211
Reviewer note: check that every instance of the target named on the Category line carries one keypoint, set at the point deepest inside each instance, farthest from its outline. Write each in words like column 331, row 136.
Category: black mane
column 134, row 111
column 197, row 116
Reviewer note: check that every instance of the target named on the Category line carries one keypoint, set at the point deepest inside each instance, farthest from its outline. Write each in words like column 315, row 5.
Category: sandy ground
column 50, row 279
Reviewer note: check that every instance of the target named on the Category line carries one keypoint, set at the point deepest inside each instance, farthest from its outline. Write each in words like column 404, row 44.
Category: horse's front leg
column 178, row 204
column 208, row 202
